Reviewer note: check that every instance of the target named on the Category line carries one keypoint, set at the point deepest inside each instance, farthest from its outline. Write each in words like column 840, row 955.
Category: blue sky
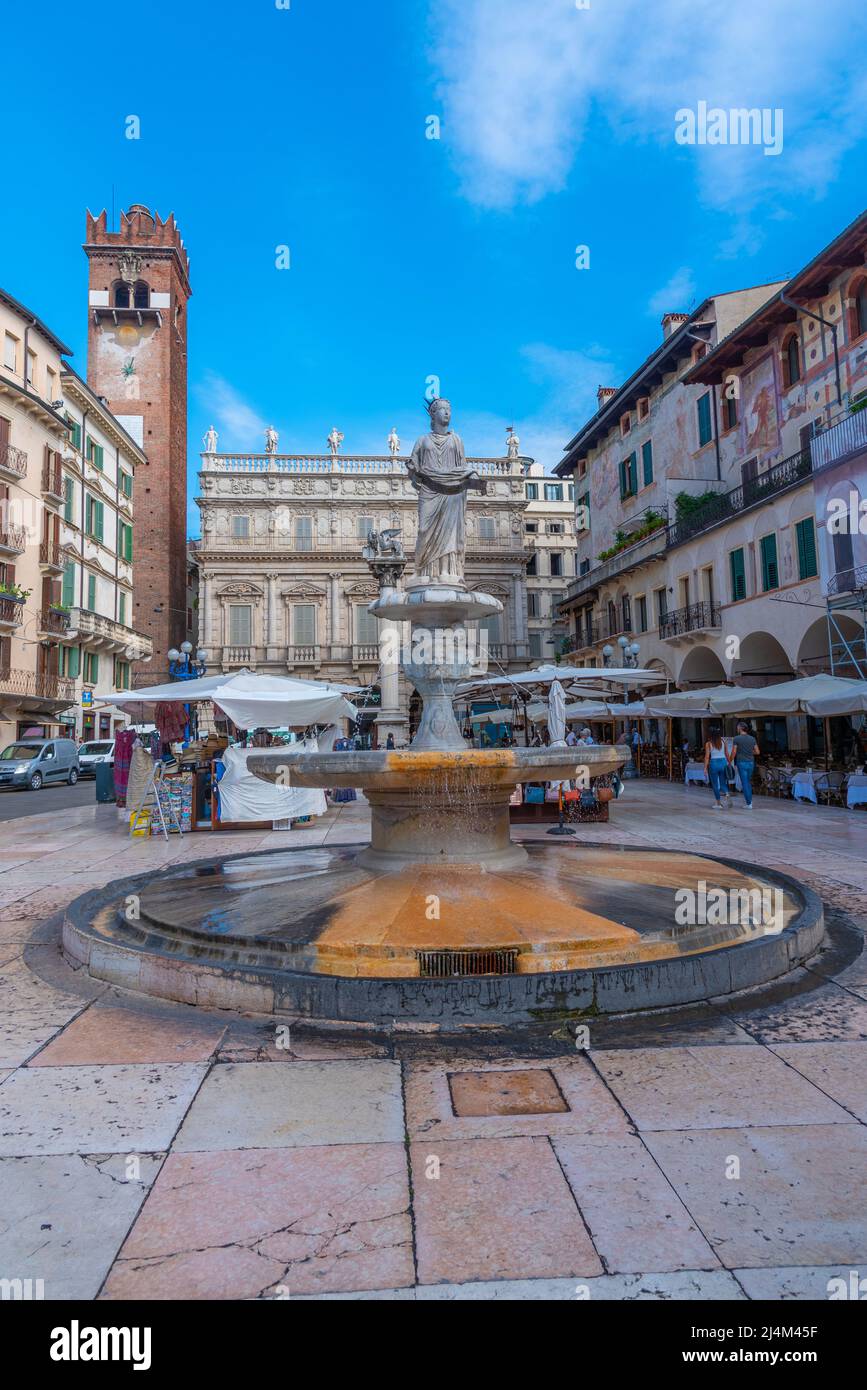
column 411, row 257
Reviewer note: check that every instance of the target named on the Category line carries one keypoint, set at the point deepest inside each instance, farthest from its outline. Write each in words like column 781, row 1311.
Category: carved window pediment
column 240, row 590
column 307, row 591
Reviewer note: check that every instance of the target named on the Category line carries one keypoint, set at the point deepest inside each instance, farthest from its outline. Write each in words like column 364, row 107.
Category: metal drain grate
column 441, row 965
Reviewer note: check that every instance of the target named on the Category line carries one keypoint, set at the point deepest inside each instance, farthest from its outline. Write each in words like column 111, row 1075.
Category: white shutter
column 366, row 626
column 304, row 624
column 240, row 625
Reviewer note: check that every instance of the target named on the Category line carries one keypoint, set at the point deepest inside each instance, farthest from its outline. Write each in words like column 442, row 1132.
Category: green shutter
column 73, row 661
column 100, row 520
column 68, row 594
column 127, row 542
column 704, row 429
column 69, row 495
column 633, row 473
column 806, row 534
column 91, row 592
column 770, row 572
column 647, row 461
column 738, row 575
column 121, row 612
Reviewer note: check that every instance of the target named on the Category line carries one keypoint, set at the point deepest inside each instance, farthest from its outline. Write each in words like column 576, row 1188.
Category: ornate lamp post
column 183, row 666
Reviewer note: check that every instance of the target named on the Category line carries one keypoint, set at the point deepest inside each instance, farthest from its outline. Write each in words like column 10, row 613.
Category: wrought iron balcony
column 842, row 440
column 51, row 555
column 724, row 505
column 37, row 684
column 54, row 621
column 13, row 461
column 847, row 581
column 13, row 540
column 697, row 617
column 11, row 613
column 52, row 480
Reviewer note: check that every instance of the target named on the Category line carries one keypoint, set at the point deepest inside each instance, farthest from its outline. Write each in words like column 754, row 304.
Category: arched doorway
column 700, row 667
column 761, row 660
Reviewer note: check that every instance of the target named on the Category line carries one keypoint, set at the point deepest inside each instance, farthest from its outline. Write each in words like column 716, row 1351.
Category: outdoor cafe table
column 856, row 789
column 804, row 785
column 695, row 773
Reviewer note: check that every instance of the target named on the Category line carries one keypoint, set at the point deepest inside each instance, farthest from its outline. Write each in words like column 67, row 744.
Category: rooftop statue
column 438, row 470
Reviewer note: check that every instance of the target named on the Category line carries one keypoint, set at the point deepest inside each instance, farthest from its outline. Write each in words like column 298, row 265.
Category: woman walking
column 716, row 762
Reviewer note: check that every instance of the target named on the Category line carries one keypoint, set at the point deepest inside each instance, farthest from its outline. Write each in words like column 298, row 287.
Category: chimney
column 671, row 323
column 603, row 394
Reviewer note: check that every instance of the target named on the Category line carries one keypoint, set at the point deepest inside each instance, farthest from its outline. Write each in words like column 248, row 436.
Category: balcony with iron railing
column 13, row 540
column 13, row 462
column 11, row 614
column 850, row 581
column 53, row 622
column 694, row 618
column 38, row 685
column 629, row 557
column 723, row 506
column 51, row 556
column 841, row 439
column 52, row 480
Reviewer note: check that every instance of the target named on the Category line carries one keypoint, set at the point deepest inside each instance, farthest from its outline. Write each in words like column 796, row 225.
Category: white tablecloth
column 856, row 789
column 804, row 787
column 695, row 773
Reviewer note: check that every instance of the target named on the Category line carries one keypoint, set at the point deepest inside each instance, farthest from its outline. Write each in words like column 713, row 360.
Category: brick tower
column 137, row 359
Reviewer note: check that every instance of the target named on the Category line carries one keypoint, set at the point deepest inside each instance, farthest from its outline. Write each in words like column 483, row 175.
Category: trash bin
column 105, row 782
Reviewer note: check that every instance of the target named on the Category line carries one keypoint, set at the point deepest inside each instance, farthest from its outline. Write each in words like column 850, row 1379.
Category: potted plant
column 14, row 592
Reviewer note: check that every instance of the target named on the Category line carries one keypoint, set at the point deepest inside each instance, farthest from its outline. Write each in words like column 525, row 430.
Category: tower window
column 142, row 297
column 121, row 295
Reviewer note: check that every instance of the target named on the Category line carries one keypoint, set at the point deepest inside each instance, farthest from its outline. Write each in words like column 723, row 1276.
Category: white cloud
column 676, row 296
column 239, row 425
column 519, row 84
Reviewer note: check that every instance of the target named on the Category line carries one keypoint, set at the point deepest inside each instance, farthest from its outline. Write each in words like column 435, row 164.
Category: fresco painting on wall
column 761, row 421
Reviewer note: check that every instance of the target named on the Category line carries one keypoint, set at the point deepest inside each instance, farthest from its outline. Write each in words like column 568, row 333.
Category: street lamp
column 183, row 666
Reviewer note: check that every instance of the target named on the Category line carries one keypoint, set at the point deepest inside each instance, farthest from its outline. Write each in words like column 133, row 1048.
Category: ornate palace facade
column 284, row 587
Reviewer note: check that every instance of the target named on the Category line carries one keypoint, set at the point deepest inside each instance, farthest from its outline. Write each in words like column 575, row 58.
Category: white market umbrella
column 556, row 714
column 250, row 700
column 821, row 696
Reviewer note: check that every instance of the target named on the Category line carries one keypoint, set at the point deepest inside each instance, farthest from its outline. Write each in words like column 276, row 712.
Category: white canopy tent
column 589, row 710
column 250, row 700
column 524, row 682
column 821, row 696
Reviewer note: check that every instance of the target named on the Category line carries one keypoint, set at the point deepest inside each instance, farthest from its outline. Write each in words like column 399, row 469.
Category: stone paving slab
column 498, row 1209
column 799, row 1197
column 820, row 1282
column 839, row 1069
column 713, row 1087
column 63, row 1218
column 828, row 1013
column 31, row 1012
column 256, row 1105
column 245, row 1224
column 430, row 1110
column 634, row 1216
column 110, row 1109
column 107, row 1034
column 692, row 1285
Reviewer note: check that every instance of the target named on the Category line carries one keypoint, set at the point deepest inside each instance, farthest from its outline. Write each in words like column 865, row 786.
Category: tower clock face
column 128, row 335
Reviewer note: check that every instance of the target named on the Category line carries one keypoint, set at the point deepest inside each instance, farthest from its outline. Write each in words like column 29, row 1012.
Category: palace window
column 304, row 624
column 647, row 461
column 240, row 625
column 303, row 533
column 240, row 528
column 532, row 492
column 556, row 564
column 487, row 528
column 553, row 492
column 363, row 527
column 366, row 626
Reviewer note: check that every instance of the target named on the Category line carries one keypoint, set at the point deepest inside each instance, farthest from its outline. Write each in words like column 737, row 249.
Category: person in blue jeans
column 745, row 750
column 716, row 762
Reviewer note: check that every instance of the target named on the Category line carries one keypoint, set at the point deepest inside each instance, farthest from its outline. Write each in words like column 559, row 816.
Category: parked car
column 89, row 754
column 31, row 762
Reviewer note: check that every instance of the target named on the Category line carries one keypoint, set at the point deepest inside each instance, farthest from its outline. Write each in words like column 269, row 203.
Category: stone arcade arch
column 701, row 666
column 761, row 661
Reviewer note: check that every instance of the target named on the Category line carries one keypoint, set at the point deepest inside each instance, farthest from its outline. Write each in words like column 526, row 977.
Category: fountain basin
column 435, row 806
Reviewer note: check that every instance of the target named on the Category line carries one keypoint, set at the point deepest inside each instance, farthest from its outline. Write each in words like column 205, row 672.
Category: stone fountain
column 438, row 802
column 441, row 920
